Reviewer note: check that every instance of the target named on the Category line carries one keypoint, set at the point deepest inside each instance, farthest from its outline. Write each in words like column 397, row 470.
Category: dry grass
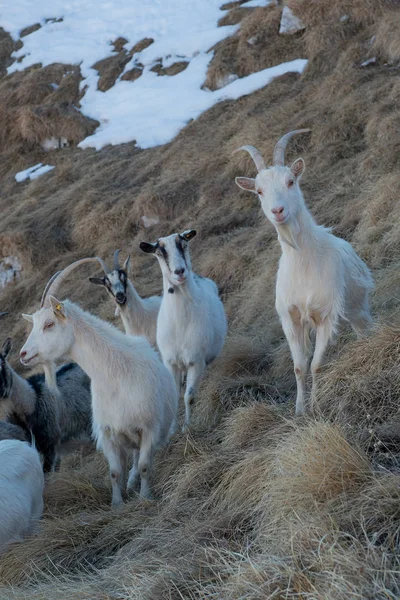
column 362, row 386
column 252, row 504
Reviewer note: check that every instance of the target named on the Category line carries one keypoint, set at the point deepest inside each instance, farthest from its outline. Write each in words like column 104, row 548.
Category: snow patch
column 10, row 270
column 166, row 103
column 33, row 172
column 151, row 109
column 369, row 61
column 290, row 23
column 257, row 3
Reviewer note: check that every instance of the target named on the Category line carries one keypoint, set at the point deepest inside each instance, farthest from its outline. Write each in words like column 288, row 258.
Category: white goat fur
column 21, row 491
column 191, row 325
column 134, row 398
column 320, row 278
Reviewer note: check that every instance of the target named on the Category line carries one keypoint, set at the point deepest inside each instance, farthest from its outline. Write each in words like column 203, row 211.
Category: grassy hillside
column 252, row 504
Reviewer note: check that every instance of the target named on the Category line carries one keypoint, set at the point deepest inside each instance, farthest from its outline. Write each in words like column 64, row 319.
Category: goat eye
column 290, row 183
column 48, row 326
column 259, row 192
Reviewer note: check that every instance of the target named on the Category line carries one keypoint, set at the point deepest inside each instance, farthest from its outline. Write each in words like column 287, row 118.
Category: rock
column 10, row 270
column 149, row 221
column 225, row 80
column 54, row 143
column 290, row 23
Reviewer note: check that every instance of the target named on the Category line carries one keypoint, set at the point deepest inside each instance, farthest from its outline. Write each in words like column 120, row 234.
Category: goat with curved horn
column 255, row 155
column 280, row 147
column 320, row 279
column 139, row 315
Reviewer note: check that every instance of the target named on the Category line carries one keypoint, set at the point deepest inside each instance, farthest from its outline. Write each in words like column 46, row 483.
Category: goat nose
column 278, row 211
column 179, row 271
column 22, row 353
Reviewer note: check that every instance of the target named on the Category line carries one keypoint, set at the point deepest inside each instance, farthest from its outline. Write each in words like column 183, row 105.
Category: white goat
column 191, row 325
column 320, row 278
column 139, row 315
column 134, row 398
column 21, row 491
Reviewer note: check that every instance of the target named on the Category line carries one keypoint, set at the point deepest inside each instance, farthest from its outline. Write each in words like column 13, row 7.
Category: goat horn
column 279, row 151
column 116, row 262
column 46, row 289
column 255, row 155
column 106, row 270
column 55, row 284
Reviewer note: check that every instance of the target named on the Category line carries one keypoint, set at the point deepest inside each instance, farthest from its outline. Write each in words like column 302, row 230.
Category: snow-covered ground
column 152, row 109
column 33, row 172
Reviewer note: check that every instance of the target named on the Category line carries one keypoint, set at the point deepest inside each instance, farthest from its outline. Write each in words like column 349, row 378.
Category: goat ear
column 58, row 308
column 28, row 318
column 246, row 183
column 188, row 235
column 127, row 264
column 298, row 168
column 148, row 247
column 6, row 348
column 97, row 280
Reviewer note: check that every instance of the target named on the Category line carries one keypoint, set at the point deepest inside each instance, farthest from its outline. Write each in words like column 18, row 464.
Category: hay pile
column 252, row 504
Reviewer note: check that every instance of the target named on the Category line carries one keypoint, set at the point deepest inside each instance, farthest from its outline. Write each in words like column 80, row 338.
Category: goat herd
column 123, row 389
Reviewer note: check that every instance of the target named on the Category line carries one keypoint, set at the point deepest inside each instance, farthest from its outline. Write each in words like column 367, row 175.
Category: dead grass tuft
column 362, row 386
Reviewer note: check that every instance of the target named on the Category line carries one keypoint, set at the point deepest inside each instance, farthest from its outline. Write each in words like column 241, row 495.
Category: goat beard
column 184, row 289
column 288, row 232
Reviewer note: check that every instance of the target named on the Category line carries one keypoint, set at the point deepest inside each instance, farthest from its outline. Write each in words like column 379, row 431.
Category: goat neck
column 133, row 311
column 300, row 233
column 185, row 290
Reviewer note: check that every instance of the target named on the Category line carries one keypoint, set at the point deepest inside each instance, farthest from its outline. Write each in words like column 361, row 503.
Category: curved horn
column 55, row 284
column 279, row 151
column 255, row 155
column 46, row 289
column 106, row 270
column 116, row 262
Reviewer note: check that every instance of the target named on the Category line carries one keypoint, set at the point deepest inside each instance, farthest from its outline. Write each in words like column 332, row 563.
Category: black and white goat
column 139, row 315
column 53, row 418
column 191, row 325
column 320, row 277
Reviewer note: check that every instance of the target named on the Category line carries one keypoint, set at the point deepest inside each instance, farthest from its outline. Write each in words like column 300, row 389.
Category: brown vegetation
column 252, row 504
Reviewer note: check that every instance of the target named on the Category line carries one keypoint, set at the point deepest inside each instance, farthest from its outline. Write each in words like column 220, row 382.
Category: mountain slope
column 252, row 503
